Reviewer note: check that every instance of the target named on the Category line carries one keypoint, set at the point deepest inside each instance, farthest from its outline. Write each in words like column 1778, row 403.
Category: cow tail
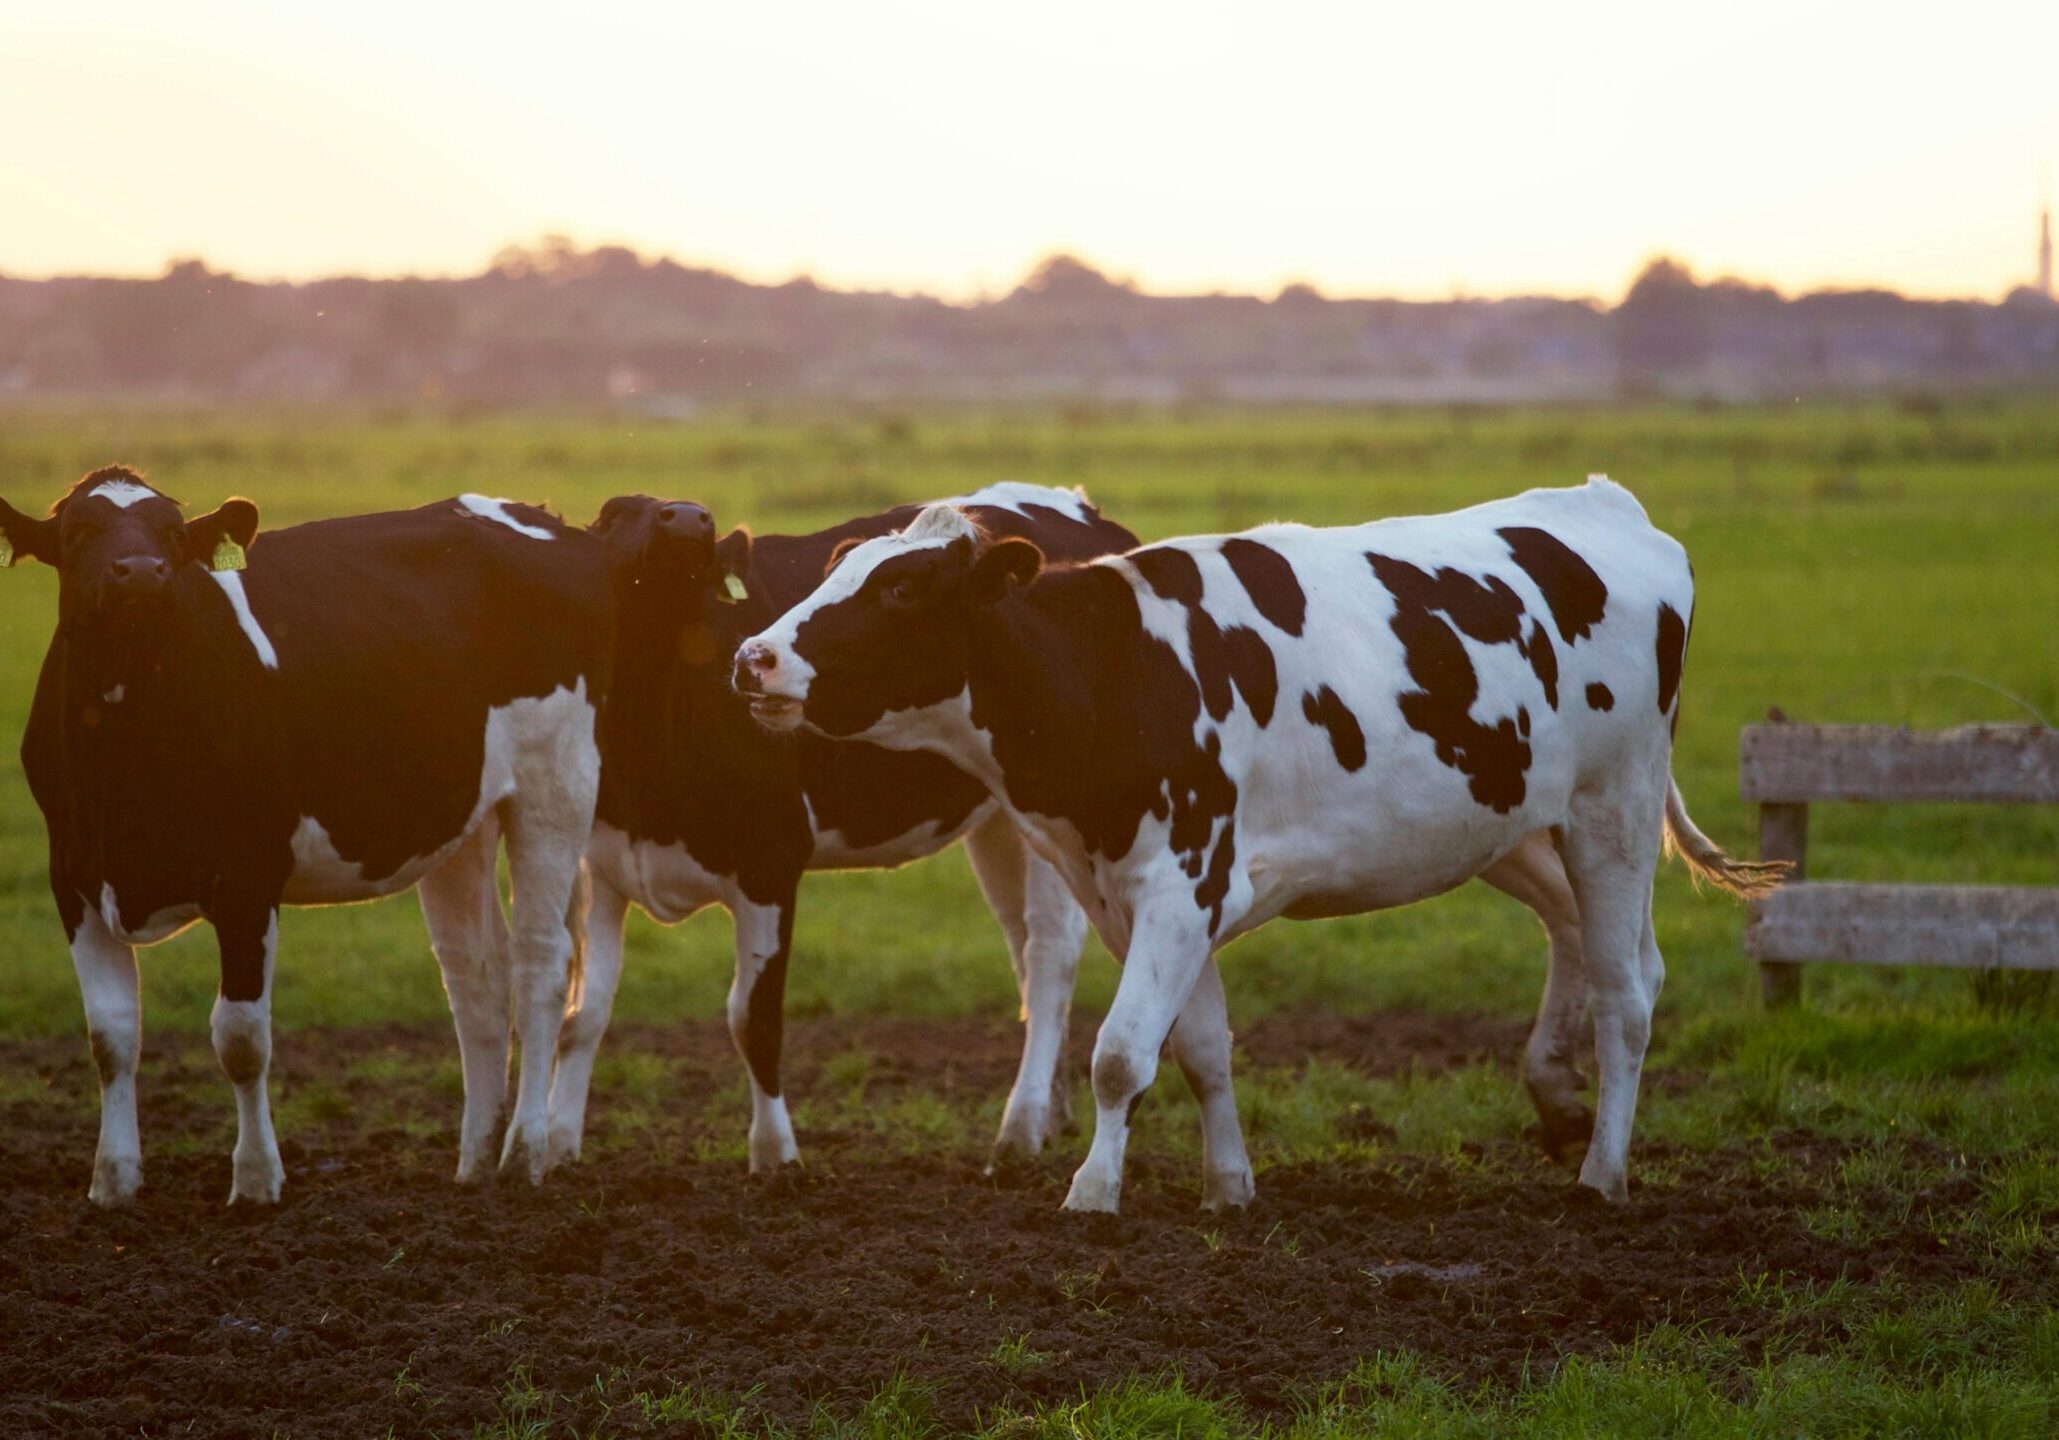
column 1746, row 879
column 575, row 927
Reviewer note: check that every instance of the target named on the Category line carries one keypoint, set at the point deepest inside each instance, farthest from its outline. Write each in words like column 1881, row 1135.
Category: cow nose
column 684, row 520
column 754, row 661
column 139, row 574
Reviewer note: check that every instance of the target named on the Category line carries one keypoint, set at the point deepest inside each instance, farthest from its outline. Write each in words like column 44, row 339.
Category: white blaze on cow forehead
column 1015, row 494
column 122, row 493
column 937, row 526
column 232, row 586
column 486, row 507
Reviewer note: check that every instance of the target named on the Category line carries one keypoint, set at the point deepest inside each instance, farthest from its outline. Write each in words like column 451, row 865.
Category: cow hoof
column 1615, row 1189
column 1022, row 1137
column 523, row 1155
column 115, row 1183
column 256, row 1190
column 1228, row 1190
column 1564, row 1135
column 770, row 1156
column 562, row 1146
column 775, row 1162
column 1091, row 1195
column 1010, row 1162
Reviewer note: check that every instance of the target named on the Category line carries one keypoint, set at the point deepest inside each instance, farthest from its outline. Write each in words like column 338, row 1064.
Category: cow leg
column 1201, row 1045
column 1533, row 874
column 114, row 1027
column 580, row 1040
column 1045, row 929
column 547, row 827
column 1169, row 946
column 1611, row 849
column 468, row 932
column 757, row 1019
column 242, row 1030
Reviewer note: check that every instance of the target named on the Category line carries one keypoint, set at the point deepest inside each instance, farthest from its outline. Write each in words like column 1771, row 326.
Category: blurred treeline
column 554, row 324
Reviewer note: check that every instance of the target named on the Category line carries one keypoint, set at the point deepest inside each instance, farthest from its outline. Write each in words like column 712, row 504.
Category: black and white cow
column 372, row 704
column 700, row 806
column 1205, row 734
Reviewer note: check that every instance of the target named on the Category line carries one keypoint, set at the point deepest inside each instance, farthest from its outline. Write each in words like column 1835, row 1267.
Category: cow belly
column 832, row 852
column 663, row 879
column 161, row 925
column 321, row 876
column 1348, row 861
column 526, row 727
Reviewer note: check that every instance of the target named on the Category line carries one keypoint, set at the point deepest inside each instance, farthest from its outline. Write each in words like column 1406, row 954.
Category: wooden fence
column 1784, row 768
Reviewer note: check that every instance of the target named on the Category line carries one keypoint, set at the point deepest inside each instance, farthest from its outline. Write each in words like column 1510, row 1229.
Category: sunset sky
column 944, row 146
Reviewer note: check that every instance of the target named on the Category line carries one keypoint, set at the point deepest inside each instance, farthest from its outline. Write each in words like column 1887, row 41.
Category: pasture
column 1842, row 1218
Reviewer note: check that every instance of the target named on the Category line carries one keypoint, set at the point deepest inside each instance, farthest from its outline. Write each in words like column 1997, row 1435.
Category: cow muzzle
column 757, row 677
column 135, row 588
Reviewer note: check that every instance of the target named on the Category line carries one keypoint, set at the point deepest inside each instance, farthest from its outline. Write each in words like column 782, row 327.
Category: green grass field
column 1875, row 563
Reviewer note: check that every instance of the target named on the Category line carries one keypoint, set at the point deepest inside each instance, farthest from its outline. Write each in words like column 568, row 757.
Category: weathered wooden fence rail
column 1784, row 768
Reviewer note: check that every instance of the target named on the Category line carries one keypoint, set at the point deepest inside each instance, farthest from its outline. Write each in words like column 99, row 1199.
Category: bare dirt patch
column 378, row 1295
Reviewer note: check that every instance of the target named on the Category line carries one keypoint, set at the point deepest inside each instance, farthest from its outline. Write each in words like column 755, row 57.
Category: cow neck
column 669, row 669
column 1035, row 682
column 195, row 717
column 107, row 687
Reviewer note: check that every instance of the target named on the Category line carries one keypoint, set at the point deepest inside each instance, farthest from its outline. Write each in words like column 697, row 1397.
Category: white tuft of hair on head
column 941, row 522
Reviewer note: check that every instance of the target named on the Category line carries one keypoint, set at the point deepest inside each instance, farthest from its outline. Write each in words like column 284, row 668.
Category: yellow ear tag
column 228, row 555
column 732, row 588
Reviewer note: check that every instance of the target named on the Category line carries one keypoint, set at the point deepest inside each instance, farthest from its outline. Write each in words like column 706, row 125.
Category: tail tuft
column 1746, row 879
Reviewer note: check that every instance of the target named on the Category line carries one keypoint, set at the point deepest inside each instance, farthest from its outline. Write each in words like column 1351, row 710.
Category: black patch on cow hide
column 1236, row 657
column 1323, row 707
column 1075, row 650
column 1574, row 592
column 1600, row 697
column 1493, row 758
column 1544, row 663
column 1268, row 578
column 1672, row 650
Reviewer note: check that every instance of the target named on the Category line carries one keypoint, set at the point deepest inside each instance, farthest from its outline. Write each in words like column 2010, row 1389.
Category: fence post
column 1783, row 835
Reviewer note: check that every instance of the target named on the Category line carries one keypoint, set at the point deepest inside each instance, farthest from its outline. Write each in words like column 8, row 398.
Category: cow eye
column 900, row 594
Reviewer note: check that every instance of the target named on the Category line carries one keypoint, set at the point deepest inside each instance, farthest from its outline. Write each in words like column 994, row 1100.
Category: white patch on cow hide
column 321, row 876
column 231, row 582
column 664, row 880
column 161, row 926
column 1016, row 494
column 833, row 852
column 122, row 493
column 486, row 507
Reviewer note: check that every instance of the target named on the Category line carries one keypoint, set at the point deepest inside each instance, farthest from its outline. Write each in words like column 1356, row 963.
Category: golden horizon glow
column 925, row 146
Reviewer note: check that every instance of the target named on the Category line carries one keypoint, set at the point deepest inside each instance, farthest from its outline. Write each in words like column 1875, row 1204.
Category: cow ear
column 733, row 563
column 1003, row 564
column 22, row 537
column 843, row 547
column 221, row 536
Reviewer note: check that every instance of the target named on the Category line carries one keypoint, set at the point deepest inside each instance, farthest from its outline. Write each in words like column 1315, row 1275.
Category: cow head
column 664, row 552
column 888, row 630
column 118, row 545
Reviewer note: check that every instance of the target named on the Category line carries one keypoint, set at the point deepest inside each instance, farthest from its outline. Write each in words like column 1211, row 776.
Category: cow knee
column 115, row 1052
column 1117, row 1078
column 582, row 1030
column 242, row 1040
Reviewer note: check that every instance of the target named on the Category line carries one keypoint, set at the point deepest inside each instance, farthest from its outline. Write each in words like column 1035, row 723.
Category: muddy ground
column 378, row 1295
